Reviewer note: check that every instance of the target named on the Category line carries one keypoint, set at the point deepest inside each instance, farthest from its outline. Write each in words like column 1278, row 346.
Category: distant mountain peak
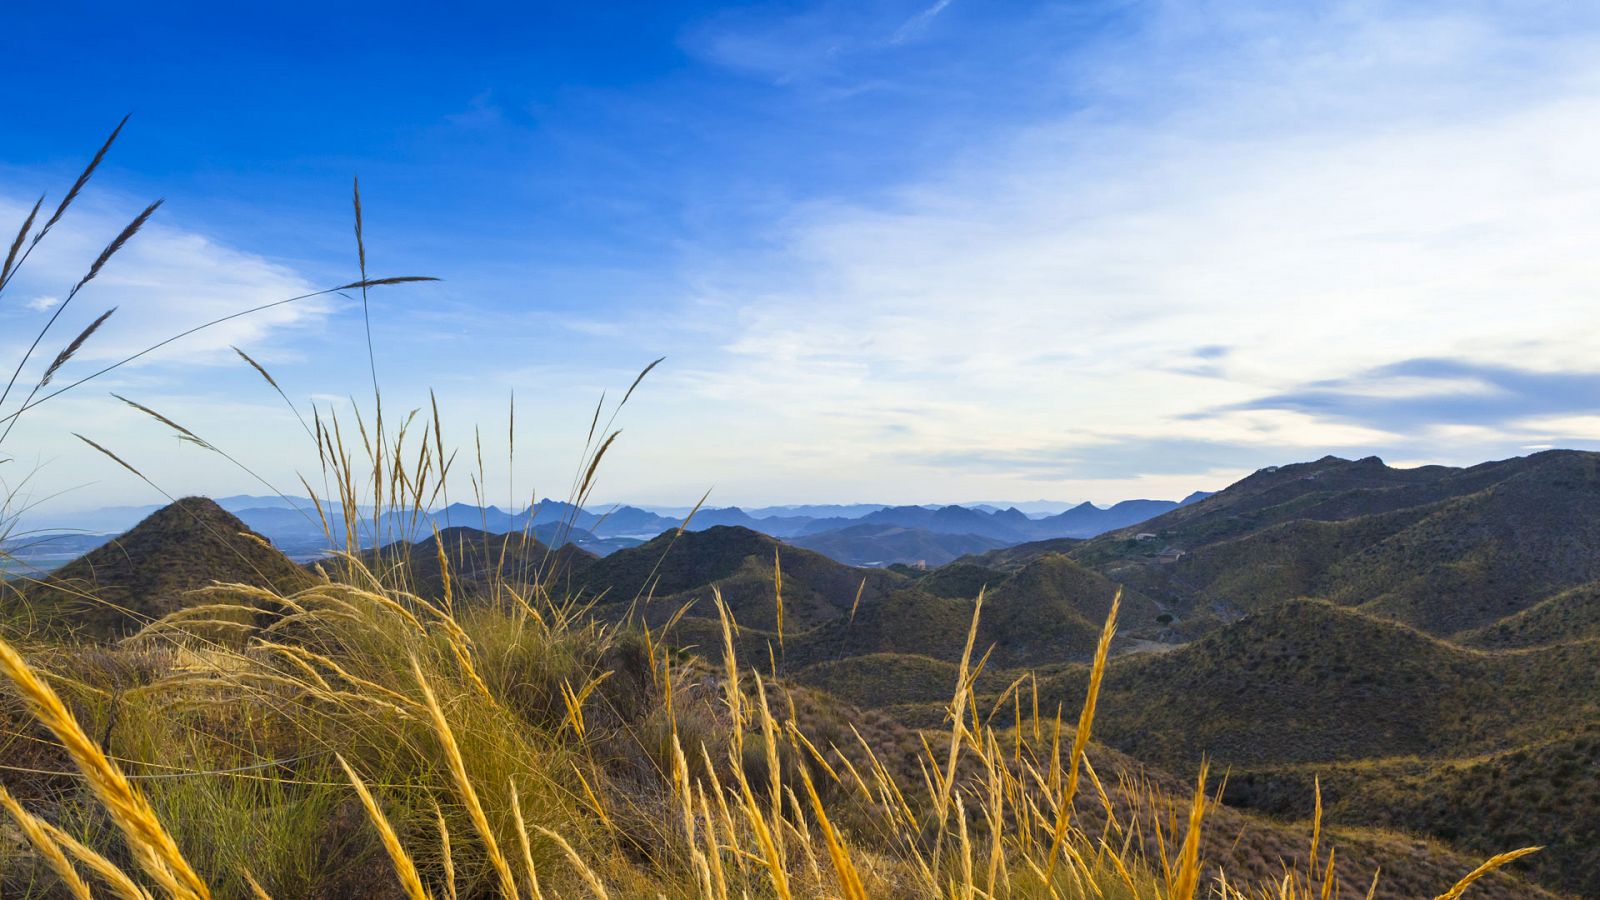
column 148, row 571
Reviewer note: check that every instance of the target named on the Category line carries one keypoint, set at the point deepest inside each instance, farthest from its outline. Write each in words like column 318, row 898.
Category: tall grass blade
column 1489, row 865
column 404, row 868
column 152, row 846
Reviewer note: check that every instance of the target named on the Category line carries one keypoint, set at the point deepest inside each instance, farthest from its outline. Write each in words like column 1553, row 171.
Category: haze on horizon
column 893, row 252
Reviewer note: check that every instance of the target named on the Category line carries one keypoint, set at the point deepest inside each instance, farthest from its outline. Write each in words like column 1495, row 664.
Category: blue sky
column 893, row 251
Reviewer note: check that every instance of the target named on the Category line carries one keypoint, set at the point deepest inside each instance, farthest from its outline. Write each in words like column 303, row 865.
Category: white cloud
column 813, row 47
column 166, row 280
column 917, row 24
column 1321, row 195
column 1560, row 428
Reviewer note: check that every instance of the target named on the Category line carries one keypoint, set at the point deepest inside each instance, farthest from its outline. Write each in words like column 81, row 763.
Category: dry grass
column 152, row 846
column 443, row 714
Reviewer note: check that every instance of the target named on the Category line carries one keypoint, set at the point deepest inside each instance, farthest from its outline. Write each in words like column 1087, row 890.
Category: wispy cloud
column 824, row 44
column 1255, row 231
column 167, row 280
column 1423, row 392
column 913, row 27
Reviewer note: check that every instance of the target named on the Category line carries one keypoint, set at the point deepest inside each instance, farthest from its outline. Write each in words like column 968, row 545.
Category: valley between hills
column 1422, row 645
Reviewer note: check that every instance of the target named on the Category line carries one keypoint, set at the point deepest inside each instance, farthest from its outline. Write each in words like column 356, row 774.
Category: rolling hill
column 1445, row 550
column 1006, row 526
column 677, row 569
column 1453, row 665
column 1404, row 729
column 1052, row 610
column 1010, row 559
column 1241, row 841
column 477, row 560
column 1542, row 793
column 1571, row 615
column 1046, row 615
column 876, row 544
column 960, row 579
column 1308, row 681
column 148, row 571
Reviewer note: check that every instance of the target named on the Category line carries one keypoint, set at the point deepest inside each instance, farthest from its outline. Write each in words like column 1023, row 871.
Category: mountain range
column 930, row 535
column 1417, row 641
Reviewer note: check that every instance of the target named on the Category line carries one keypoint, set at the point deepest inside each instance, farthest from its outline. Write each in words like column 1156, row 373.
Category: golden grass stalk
column 802, row 832
column 1316, row 824
column 120, row 883
column 731, row 662
column 713, row 854
column 445, row 857
column 155, row 850
column 1187, row 878
column 1329, row 881
column 256, row 890
column 1121, row 867
column 849, row 877
column 464, row 660
column 586, row 873
column 764, row 836
column 1080, row 740
column 769, row 740
column 968, row 884
column 527, row 847
column 469, row 796
column 444, row 570
column 404, row 868
column 34, row 830
column 1035, row 680
column 684, row 788
column 592, row 798
column 1489, row 865
column 958, row 715
column 798, row 737
column 575, row 699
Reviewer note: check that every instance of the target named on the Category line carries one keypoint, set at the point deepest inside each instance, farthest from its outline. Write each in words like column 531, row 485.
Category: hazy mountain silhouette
column 879, row 544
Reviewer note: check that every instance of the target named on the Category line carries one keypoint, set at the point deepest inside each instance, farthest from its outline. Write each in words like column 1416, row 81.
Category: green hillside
column 1540, row 793
column 877, row 680
column 1570, row 615
column 1406, row 728
column 878, row 544
column 478, row 560
column 905, row 621
column 1010, row 559
column 1444, row 550
column 1307, row 681
column 677, row 569
column 1051, row 611
column 961, row 580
